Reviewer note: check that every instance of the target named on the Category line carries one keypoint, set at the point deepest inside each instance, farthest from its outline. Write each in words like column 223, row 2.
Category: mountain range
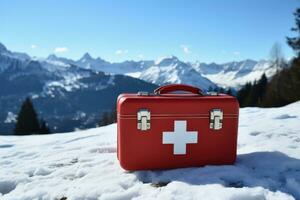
column 72, row 94
column 66, row 95
column 170, row 69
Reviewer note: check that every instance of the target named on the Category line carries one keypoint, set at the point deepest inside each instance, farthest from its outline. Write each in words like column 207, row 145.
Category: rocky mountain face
column 235, row 74
column 170, row 69
column 72, row 94
column 66, row 95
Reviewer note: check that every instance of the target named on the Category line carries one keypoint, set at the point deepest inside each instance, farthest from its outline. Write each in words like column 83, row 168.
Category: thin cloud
column 33, row 46
column 237, row 53
column 185, row 49
column 141, row 56
column 61, row 49
column 121, row 51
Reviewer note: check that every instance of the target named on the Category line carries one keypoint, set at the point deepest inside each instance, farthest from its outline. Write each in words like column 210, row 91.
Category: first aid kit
column 176, row 126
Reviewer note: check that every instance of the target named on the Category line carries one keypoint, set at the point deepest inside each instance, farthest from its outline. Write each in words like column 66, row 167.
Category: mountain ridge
column 66, row 95
column 72, row 94
column 232, row 74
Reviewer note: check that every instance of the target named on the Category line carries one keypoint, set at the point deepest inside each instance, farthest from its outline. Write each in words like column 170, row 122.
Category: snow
column 69, row 82
column 164, row 70
column 11, row 118
column 111, row 80
column 57, row 63
column 134, row 74
column 165, row 60
column 170, row 70
column 13, row 55
column 83, row 165
column 235, row 74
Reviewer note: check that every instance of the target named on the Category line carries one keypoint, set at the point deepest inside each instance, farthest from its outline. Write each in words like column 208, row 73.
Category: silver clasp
column 143, row 119
column 142, row 93
column 216, row 119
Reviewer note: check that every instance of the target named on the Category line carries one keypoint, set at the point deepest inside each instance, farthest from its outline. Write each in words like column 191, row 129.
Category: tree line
column 284, row 87
column 28, row 122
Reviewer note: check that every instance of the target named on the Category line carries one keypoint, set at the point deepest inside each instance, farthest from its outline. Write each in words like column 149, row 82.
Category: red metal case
column 165, row 130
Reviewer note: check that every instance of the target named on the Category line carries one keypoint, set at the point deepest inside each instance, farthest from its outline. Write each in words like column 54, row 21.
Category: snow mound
column 83, row 165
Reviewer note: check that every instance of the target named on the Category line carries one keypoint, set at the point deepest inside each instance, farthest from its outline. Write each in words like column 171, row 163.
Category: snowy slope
column 171, row 70
column 8, row 58
column 165, row 70
column 66, row 95
column 83, row 165
column 235, row 74
column 162, row 71
column 87, row 62
column 4, row 51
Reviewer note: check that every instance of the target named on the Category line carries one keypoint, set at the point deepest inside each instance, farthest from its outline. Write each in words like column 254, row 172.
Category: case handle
column 177, row 87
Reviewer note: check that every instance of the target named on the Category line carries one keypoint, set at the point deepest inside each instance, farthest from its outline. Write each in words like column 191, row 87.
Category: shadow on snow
column 271, row 170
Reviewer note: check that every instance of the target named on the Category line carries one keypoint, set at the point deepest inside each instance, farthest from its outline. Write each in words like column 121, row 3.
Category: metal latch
column 143, row 119
column 142, row 93
column 216, row 119
column 213, row 93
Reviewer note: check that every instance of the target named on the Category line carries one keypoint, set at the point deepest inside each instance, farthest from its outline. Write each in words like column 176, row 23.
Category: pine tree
column 221, row 90
column 294, row 42
column 243, row 94
column 44, row 129
column 105, row 119
column 229, row 92
column 284, row 86
column 27, row 120
column 251, row 97
column 277, row 59
column 261, row 89
column 253, row 94
column 108, row 118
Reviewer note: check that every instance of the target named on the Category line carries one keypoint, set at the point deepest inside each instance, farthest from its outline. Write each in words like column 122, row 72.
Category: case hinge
column 143, row 119
column 216, row 119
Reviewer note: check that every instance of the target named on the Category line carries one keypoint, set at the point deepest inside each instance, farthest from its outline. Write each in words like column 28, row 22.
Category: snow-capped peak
column 55, row 63
column 167, row 69
column 52, row 57
column 235, row 74
column 170, row 69
column 86, row 57
column 166, row 60
column 248, row 64
column 15, row 55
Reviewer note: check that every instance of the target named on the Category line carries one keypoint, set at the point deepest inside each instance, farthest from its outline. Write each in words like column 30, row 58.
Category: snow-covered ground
column 83, row 165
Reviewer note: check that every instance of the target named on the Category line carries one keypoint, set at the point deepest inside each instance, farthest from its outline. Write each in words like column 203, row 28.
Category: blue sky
column 117, row 30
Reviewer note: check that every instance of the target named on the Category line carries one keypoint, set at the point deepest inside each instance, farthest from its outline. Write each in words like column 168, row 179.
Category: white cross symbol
column 180, row 137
